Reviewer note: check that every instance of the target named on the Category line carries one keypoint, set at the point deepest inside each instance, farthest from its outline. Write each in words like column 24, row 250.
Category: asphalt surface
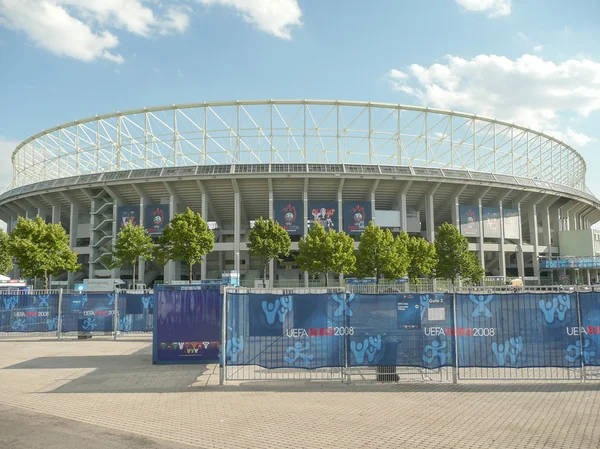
column 23, row 429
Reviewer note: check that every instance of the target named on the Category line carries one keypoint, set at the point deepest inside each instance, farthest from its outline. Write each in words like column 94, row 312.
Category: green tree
column 41, row 249
column 268, row 240
column 5, row 259
column 455, row 261
column 132, row 244
column 324, row 251
column 380, row 254
column 422, row 256
column 186, row 238
column 475, row 271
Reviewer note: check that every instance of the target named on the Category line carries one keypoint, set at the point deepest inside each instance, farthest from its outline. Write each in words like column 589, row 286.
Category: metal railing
column 322, row 334
column 66, row 313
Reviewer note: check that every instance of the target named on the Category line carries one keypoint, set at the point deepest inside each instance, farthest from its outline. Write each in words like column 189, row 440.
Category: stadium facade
column 517, row 194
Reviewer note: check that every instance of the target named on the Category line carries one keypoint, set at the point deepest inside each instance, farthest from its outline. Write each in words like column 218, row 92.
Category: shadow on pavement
column 134, row 373
column 131, row 373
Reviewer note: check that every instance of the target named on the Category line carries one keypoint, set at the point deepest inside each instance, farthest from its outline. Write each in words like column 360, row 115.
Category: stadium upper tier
column 298, row 132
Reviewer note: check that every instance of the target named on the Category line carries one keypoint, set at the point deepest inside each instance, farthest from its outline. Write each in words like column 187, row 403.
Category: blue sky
column 535, row 62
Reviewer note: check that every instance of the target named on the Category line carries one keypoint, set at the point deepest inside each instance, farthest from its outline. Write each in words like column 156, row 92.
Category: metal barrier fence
column 56, row 312
column 344, row 335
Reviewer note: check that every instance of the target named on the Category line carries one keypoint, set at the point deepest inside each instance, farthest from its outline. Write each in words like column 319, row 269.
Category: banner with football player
column 324, row 212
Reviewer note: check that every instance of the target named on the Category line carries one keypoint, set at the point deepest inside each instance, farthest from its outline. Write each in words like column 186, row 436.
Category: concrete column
column 532, row 214
column 73, row 224
column 520, row 259
column 502, row 255
column 480, row 238
column 429, row 217
column 56, row 212
column 204, row 213
column 94, row 252
column 116, row 272
column 455, row 211
column 141, row 268
column 546, row 230
column 340, row 201
column 237, row 230
column 271, row 215
column 305, row 224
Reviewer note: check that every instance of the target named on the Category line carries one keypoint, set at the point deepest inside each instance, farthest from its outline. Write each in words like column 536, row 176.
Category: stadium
column 517, row 194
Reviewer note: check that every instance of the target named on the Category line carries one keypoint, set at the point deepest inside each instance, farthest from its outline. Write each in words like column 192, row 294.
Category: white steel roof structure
column 295, row 131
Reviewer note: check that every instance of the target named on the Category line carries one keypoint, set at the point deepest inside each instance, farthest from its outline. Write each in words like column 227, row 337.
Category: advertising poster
column 129, row 214
column 357, row 215
column 290, row 216
column 28, row 313
column 590, row 332
column 409, row 312
column 491, row 222
column 401, row 330
column 511, row 224
column 156, row 218
column 324, row 212
column 469, row 221
column 518, row 331
column 187, row 324
column 96, row 312
column 298, row 331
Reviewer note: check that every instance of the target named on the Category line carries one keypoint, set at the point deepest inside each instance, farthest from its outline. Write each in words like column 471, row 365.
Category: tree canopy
column 41, row 249
column 5, row 259
column 268, row 240
column 323, row 251
column 132, row 244
column 186, row 237
column 455, row 261
column 422, row 257
column 380, row 254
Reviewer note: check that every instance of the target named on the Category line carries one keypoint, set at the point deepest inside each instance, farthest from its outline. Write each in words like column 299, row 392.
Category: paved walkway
column 101, row 389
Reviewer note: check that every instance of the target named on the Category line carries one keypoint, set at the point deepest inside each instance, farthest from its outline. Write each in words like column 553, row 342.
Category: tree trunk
column 265, row 275
column 190, row 275
column 326, row 280
column 46, row 280
column 133, row 277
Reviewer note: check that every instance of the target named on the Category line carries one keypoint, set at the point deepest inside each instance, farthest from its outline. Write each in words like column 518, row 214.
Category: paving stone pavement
column 113, row 385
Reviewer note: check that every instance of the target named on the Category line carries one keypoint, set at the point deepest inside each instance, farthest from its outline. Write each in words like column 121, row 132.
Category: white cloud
column 89, row 30
column 273, row 17
column 528, row 90
column 7, row 146
column 523, row 36
column 538, row 48
column 493, row 8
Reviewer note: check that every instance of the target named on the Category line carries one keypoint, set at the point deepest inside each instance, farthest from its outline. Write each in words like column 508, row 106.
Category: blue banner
column 187, row 324
column 290, row 216
column 588, row 345
column 356, row 217
column 401, row 330
column 28, row 313
column 88, row 312
column 324, row 212
column 517, row 330
column 285, row 331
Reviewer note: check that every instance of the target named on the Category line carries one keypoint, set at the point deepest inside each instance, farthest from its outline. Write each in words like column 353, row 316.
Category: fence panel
column 400, row 336
column 517, row 336
column 285, row 334
column 29, row 313
column 135, row 312
column 589, row 344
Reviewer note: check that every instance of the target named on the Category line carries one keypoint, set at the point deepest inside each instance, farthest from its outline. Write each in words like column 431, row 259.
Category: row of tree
column 42, row 250
column 379, row 255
